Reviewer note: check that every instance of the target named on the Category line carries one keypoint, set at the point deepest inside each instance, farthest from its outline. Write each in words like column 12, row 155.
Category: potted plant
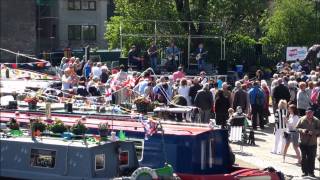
column 13, row 124
column 79, row 128
column 57, row 127
column 37, row 126
column 103, row 129
column 142, row 104
column 32, row 102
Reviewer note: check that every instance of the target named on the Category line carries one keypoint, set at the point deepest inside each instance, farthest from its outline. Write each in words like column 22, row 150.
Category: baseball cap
column 309, row 109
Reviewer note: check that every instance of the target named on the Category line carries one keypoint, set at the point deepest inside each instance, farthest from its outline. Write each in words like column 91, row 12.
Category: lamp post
column 317, row 23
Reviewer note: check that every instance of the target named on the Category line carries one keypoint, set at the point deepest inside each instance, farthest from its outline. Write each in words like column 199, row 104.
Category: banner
column 294, row 53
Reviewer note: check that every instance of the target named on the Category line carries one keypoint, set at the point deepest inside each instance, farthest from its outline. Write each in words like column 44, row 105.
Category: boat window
column 100, row 162
column 124, row 158
column 203, row 155
column 139, row 145
column 43, row 158
column 211, row 152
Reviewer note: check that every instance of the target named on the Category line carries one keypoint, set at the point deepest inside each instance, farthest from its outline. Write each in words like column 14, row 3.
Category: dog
column 251, row 140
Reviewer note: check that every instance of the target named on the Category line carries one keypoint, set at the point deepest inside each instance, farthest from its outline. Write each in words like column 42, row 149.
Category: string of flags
column 38, row 62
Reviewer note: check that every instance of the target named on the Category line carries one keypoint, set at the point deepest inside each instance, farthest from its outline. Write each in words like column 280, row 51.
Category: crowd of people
column 293, row 95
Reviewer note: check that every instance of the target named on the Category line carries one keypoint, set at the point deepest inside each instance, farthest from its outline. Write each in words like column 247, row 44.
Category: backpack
column 315, row 98
column 259, row 98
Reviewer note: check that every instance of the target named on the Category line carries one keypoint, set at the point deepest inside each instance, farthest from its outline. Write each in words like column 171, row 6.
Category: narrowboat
column 23, row 157
column 194, row 152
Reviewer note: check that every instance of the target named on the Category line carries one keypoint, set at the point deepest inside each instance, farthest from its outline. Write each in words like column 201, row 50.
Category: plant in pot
column 13, row 124
column 142, row 104
column 32, row 102
column 103, row 129
column 79, row 128
column 57, row 127
column 37, row 126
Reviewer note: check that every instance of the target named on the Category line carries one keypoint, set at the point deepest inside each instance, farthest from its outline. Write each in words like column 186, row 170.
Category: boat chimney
column 48, row 110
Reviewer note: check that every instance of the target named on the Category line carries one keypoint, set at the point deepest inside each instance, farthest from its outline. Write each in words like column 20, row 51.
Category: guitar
column 154, row 52
column 199, row 55
column 174, row 56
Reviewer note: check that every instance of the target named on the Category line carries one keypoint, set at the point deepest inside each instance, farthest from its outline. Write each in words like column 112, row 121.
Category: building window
column 43, row 158
column 88, row 5
column 74, row 32
column 74, row 4
column 89, row 32
column 100, row 162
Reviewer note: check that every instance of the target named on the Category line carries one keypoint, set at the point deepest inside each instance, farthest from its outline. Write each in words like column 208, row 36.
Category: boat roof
column 52, row 141
column 126, row 125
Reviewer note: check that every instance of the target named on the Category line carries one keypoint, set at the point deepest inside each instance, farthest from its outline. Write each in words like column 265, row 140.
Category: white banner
column 294, row 53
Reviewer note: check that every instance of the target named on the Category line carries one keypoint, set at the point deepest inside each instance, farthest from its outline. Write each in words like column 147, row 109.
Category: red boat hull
column 245, row 174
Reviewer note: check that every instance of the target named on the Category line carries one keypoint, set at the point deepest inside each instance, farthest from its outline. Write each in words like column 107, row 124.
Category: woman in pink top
column 178, row 74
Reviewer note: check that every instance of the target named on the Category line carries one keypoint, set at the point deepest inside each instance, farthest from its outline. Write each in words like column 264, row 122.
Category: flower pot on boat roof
column 57, row 127
column 32, row 102
column 37, row 125
column 13, row 124
column 79, row 128
column 103, row 129
column 142, row 104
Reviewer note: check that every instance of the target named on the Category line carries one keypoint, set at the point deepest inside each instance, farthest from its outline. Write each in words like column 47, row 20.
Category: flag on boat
column 149, row 126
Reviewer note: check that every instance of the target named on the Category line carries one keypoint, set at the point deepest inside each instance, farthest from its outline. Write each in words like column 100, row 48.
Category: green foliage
column 78, row 128
column 13, row 124
column 103, row 126
column 292, row 22
column 57, row 127
column 239, row 17
column 274, row 24
column 38, row 125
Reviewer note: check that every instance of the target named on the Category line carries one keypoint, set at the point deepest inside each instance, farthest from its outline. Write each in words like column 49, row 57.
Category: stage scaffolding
column 189, row 36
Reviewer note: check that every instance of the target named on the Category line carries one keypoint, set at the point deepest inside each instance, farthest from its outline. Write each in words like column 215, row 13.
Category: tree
column 292, row 22
column 238, row 16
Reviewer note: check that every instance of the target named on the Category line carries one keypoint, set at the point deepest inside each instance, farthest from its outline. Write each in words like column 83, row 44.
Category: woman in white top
column 66, row 80
column 184, row 90
column 280, row 126
column 292, row 133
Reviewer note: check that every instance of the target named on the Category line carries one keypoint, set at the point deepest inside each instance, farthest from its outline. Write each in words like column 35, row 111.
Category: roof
column 126, row 125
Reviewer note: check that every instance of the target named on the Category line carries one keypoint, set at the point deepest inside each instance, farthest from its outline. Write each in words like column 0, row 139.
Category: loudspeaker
column 223, row 67
column 124, row 62
column 13, row 105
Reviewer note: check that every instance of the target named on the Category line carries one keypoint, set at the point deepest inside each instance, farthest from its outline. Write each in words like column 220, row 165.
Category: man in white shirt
column 96, row 70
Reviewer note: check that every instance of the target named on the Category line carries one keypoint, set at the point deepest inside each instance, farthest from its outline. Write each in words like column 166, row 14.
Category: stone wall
column 17, row 27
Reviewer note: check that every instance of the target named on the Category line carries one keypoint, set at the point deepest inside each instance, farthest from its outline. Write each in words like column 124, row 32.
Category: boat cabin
column 54, row 158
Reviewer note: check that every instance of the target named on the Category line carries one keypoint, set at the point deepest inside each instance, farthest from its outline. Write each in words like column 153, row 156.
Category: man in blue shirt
column 87, row 69
column 257, row 99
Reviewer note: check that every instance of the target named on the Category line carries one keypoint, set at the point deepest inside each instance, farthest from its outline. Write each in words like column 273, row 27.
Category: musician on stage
column 133, row 58
column 153, row 54
column 172, row 54
column 200, row 57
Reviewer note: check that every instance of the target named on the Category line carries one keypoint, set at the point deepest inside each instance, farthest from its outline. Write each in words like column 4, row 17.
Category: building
column 33, row 26
column 74, row 23
column 17, row 27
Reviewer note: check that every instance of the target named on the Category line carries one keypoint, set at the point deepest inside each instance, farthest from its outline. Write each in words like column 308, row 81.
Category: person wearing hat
column 309, row 129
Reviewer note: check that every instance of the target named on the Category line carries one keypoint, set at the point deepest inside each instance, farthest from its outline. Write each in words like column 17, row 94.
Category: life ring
column 144, row 170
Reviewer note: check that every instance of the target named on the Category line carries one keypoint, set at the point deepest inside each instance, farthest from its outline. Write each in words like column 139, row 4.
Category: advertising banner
column 294, row 53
